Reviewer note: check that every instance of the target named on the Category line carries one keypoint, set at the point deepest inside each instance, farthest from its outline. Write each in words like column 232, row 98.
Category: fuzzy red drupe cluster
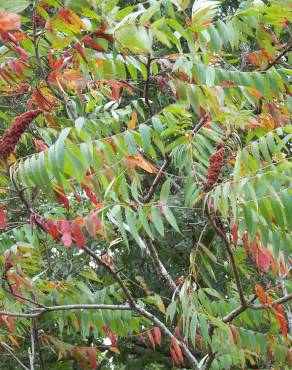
column 215, row 165
column 13, row 134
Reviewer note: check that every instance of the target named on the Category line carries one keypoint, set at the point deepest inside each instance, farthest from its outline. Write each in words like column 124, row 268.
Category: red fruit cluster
column 13, row 135
column 215, row 165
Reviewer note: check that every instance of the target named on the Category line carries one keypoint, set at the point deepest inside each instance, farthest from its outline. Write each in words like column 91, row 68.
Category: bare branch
column 224, row 237
column 282, row 300
column 10, row 351
column 156, row 181
column 32, row 346
column 287, row 48
column 161, row 270
column 146, row 89
column 135, row 307
column 35, row 312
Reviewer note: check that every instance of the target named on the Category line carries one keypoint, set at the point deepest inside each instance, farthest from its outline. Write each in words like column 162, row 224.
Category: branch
column 223, row 236
column 193, row 362
column 161, row 270
column 282, row 300
column 115, row 275
column 146, row 89
column 35, row 312
column 135, row 307
column 31, row 350
column 155, row 183
column 60, row 96
column 38, row 346
column 287, row 48
column 7, row 348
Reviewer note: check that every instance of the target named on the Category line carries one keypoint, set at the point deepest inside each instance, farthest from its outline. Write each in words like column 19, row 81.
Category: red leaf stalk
column 12, row 136
column 215, row 165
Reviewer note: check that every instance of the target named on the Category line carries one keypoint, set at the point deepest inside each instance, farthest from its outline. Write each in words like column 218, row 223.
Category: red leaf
column 174, row 357
column 66, row 230
column 157, row 334
column 88, row 41
column 9, row 21
column 61, row 197
column 263, row 257
column 281, row 318
column 227, row 83
column 78, row 356
column 150, row 336
column 51, row 61
column 116, row 92
column 110, row 335
column 92, row 357
column 3, row 322
column 177, row 349
column 89, row 194
column 40, row 145
column 234, row 333
column 52, row 229
column 234, row 233
column 3, row 220
column 78, row 234
column 80, row 50
column 11, row 324
column 245, row 242
column 21, row 52
column 160, row 83
column 99, row 33
column 17, row 66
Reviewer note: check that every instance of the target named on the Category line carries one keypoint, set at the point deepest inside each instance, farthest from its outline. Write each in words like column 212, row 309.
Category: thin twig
column 135, row 307
column 32, row 346
column 146, row 88
column 224, row 237
column 9, row 350
column 161, row 270
column 155, row 183
column 35, row 312
column 287, row 48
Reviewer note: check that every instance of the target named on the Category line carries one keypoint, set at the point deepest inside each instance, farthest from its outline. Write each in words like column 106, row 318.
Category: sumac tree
column 145, row 184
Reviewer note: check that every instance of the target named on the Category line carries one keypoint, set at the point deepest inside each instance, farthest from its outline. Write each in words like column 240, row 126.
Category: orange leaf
column 9, row 21
column 174, row 357
column 133, row 121
column 141, row 162
column 234, row 333
column 177, row 349
column 13, row 341
column 234, row 233
column 263, row 297
column 70, row 17
column 281, row 318
column 254, row 92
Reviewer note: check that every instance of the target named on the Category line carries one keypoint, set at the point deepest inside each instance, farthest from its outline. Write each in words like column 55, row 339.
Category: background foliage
column 145, row 184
